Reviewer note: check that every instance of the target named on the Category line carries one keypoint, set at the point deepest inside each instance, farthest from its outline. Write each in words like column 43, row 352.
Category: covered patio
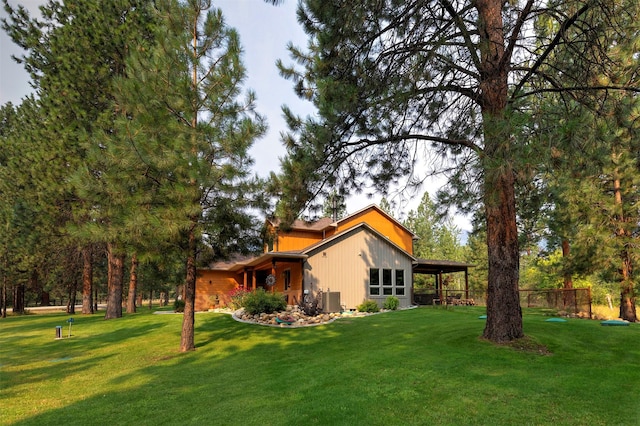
column 438, row 268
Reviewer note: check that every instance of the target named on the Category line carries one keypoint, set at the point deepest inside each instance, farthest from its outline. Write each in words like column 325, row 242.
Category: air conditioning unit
column 331, row 301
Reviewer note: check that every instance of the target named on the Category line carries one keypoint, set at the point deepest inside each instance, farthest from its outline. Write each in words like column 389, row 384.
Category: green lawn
column 422, row 366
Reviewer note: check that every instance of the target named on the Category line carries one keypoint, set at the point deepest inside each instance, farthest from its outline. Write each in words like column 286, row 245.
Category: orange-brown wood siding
column 383, row 225
column 296, row 240
column 295, row 290
column 210, row 284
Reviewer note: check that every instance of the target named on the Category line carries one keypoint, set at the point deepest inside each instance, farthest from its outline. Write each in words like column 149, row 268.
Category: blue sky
column 265, row 30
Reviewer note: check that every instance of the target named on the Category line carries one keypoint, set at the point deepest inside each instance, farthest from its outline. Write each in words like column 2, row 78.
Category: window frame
column 399, row 282
column 387, row 282
column 374, row 289
column 286, row 275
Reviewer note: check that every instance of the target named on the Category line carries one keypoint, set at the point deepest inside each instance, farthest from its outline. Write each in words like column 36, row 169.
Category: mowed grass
column 421, row 366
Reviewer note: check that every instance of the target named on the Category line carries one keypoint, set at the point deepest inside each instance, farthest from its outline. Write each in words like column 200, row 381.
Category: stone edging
column 333, row 317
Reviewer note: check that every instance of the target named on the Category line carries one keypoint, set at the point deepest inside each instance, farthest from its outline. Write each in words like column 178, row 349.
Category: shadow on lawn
column 190, row 388
column 39, row 343
column 42, row 371
column 235, row 375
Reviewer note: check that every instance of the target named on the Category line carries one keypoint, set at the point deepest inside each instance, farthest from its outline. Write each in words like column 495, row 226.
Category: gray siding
column 343, row 265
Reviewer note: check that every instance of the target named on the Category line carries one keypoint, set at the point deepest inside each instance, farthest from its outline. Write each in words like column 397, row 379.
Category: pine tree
column 392, row 78
column 178, row 153
column 594, row 212
column 73, row 53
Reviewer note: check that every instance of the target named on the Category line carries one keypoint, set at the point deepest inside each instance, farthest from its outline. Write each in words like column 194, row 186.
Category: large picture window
column 386, row 282
column 374, row 282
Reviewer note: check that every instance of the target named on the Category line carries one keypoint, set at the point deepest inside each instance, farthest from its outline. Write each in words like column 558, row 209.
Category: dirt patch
column 527, row 344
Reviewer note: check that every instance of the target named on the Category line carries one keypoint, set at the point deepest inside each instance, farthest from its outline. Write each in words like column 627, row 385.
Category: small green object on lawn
column 556, row 320
column 482, row 317
column 70, row 321
column 614, row 323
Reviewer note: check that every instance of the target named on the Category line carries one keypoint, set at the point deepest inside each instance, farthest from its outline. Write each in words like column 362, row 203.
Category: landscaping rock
column 299, row 317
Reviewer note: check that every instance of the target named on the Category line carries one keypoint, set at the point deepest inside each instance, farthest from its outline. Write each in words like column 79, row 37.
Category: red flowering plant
column 237, row 296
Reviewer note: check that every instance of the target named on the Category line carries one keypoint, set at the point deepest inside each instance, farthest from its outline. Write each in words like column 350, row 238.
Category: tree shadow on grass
column 348, row 372
column 41, row 371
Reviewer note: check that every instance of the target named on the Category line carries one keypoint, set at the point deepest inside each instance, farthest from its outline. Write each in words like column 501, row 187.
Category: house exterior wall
column 340, row 265
column 296, row 240
column 381, row 223
column 294, row 291
column 344, row 266
column 291, row 240
column 211, row 283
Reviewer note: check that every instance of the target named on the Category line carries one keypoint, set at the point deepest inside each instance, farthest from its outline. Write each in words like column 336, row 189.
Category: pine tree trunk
column 133, row 283
column 115, row 273
column 187, row 339
column 504, row 316
column 628, row 302
column 71, row 302
column 45, row 298
column 87, row 280
column 566, row 251
column 18, row 299
column 568, row 297
column 627, row 292
column 3, row 297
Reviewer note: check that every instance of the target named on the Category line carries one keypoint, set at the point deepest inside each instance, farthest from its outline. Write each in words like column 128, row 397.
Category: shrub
column 311, row 305
column 368, row 306
column 259, row 301
column 237, row 296
column 178, row 305
column 391, row 303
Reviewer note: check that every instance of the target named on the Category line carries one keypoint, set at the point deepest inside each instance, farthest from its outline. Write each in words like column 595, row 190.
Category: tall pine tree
column 178, row 154
column 391, row 78
column 73, row 54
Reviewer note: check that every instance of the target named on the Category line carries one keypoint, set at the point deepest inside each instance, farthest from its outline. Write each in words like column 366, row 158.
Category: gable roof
column 309, row 251
column 325, row 223
column 379, row 210
column 303, row 225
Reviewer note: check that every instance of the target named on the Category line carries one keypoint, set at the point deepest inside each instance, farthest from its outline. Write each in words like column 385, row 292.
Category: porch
column 440, row 294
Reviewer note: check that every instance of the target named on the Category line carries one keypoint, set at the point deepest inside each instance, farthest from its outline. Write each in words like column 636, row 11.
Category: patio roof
column 430, row 266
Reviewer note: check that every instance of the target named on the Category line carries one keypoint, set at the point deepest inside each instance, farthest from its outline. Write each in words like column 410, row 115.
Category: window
column 374, row 282
column 392, row 282
column 287, row 279
column 387, row 288
column 399, row 282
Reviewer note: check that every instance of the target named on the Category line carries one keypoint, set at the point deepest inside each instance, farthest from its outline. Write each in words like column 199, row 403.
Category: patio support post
column 466, row 283
column 273, row 272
